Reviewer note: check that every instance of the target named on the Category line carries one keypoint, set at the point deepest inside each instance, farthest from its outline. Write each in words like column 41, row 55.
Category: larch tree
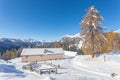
column 19, row 51
column 90, row 27
column 108, row 46
column 56, row 45
column 12, row 53
column 0, row 55
column 116, row 42
column 3, row 56
column 7, row 53
column 16, row 52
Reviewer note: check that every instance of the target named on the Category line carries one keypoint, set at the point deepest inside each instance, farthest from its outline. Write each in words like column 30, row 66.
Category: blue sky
column 52, row 19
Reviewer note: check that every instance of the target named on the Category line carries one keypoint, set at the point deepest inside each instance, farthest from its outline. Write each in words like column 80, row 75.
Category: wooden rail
column 40, row 71
column 53, row 65
column 49, row 70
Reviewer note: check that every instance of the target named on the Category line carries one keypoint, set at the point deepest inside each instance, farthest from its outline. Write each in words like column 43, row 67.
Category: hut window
column 55, row 58
column 26, row 57
column 41, row 55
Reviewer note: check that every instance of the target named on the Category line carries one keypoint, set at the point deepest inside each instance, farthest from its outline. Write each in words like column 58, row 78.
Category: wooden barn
column 41, row 54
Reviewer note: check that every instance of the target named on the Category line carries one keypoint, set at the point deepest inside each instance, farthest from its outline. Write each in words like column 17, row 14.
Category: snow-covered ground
column 81, row 67
column 70, row 53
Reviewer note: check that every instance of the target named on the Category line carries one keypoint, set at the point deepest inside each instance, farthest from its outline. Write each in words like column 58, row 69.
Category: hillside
column 74, row 41
column 81, row 67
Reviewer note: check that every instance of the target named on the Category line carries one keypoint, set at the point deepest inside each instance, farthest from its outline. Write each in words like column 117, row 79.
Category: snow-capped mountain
column 72, row 36
column 67, row 38
column 67, row 41
column 19, row 40
column 117, row 31
column 8, row 43
column 30, row 40
column 72, row 40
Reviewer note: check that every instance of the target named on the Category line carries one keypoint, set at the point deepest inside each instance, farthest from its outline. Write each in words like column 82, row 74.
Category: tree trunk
column 93, row 55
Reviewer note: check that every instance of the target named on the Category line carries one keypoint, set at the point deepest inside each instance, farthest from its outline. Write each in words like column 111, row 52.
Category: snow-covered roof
column 40, row 51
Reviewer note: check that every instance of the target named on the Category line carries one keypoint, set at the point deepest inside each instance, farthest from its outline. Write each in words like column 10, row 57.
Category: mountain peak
column 72, row 35
column 117, row 31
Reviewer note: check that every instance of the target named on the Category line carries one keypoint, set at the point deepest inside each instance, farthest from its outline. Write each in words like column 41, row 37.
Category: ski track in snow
column 90, row 71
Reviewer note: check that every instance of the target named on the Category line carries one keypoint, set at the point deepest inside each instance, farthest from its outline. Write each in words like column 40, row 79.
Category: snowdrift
column 70, row 53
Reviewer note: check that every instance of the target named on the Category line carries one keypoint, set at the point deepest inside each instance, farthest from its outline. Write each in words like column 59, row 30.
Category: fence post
column 104, row 58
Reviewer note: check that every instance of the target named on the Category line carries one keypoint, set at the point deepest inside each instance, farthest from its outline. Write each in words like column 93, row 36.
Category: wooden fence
column 40, row 71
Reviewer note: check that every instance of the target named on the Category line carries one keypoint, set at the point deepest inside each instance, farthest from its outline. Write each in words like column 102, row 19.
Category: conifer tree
column 93, row 32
